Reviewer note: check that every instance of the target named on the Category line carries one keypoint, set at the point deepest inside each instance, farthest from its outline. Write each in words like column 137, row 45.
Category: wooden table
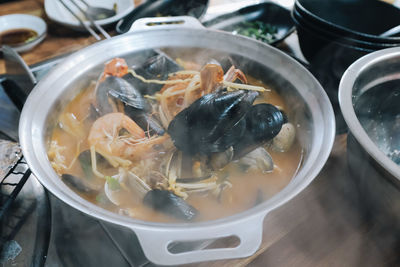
column 322, row 226
column 59, row 39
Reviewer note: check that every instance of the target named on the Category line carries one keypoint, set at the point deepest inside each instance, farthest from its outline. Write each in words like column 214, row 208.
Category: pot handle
column 155, row 242
column 165, row 23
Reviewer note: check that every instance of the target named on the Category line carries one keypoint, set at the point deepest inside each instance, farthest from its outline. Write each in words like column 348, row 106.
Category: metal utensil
column 97, row 13
column 18, row 83
column 90, row 30
column 17, row 70
column 91, row 18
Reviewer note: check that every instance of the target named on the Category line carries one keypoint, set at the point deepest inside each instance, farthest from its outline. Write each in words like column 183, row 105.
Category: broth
column 238, row 186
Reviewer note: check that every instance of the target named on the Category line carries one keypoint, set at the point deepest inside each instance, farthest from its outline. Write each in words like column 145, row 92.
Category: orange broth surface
column 248, row 187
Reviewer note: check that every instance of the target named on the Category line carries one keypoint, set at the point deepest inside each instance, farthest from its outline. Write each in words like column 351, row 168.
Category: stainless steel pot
column 310, row 110
column 366, row 97
column 369, row 95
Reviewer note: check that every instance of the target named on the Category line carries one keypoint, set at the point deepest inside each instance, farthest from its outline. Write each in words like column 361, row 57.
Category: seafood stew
column 169, row 139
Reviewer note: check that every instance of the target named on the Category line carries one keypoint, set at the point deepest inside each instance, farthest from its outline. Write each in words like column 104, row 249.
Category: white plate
column 23, row 21
column 58, row 13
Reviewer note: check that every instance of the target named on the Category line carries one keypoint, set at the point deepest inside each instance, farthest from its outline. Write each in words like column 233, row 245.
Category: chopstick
column 93, row 33
column 89, row 29
column 94, row 23
column 86, row 4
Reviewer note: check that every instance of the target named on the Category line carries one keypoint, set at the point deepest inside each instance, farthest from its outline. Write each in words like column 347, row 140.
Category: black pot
column 357, row 19
column 317, row 43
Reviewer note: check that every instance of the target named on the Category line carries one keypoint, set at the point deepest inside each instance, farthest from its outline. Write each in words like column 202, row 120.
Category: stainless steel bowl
column 370, row 102
column 369, row 95
column 310, row 110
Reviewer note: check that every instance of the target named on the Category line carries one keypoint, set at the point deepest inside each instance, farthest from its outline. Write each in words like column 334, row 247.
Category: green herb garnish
column 113, row 183
column 102, row 199
column 259, row 30
column 86, row 164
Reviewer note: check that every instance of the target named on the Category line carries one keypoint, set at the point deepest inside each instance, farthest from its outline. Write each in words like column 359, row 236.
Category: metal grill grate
column 10, row 186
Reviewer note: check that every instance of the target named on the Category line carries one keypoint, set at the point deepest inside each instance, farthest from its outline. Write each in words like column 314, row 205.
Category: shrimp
column 179, row 85
column 105, row 137
column 174, row 98
column 116, row 67
column 232, row 74
column 212, row 76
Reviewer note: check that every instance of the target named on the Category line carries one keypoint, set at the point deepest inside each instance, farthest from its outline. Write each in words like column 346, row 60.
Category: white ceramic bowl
column 58, row 13
column 23, row 21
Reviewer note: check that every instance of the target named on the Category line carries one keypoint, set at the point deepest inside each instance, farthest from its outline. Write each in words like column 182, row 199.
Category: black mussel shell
column 263, row 122
column 169, row 204
column 212, row 123
column 80, row 184
column 93, row 113
column 125, row 92
column 120, row 89
column 156, row 67
column 103, row 106
column 135, row 105
column 134, row 100
column 85, row 161
column 145, row 121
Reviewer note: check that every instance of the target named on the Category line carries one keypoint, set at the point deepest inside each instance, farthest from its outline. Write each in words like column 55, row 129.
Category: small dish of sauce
column 22, row 32
column 17, row 37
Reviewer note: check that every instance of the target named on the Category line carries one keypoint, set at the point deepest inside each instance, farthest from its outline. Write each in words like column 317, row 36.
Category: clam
column 285, row 138
column 221, row 159
column 125, row 186
column 259, row 159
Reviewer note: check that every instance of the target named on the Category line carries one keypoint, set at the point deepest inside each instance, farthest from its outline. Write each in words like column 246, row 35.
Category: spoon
column 98, row 13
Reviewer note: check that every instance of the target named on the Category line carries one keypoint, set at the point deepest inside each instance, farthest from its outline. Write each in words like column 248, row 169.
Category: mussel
column 115, row 89
column 212, row 123
column 170, row 204
column 85, row 161
column 156, row 67
column 263, row 122
column 80, row 184
column 219, row 120
column 120, row 89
